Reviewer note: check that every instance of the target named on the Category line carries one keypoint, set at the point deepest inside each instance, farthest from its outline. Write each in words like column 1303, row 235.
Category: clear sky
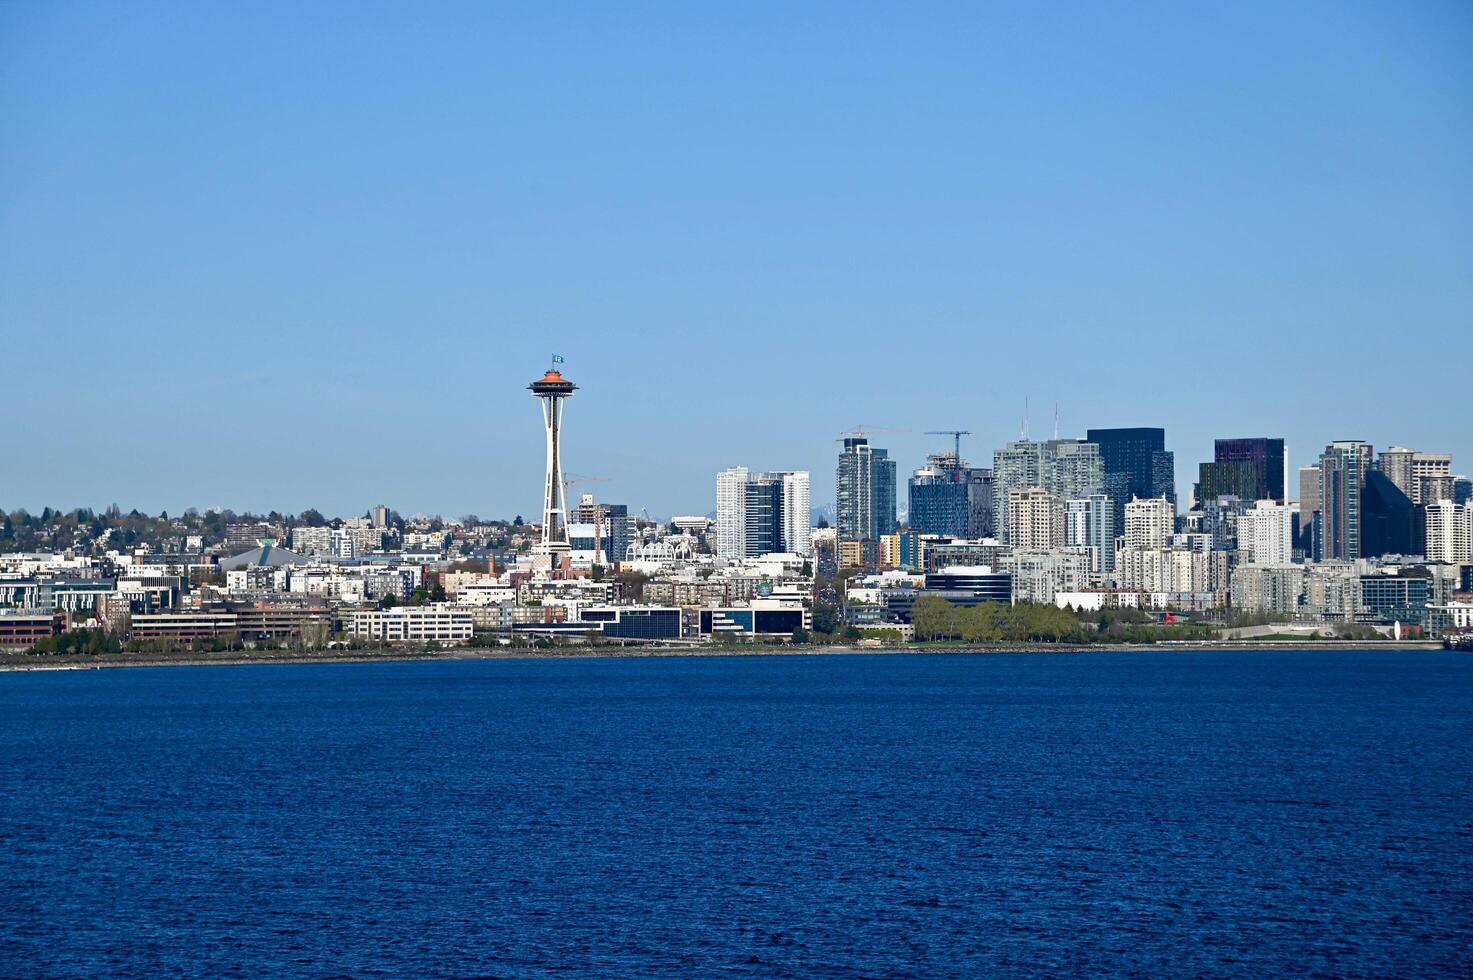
column 280, row 255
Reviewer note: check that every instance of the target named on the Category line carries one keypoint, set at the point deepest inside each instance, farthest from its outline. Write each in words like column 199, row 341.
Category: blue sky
column 268, row 257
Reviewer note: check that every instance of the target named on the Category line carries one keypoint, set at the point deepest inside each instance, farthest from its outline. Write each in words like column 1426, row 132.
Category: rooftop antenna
column 1056, row 421
column 1025, row 418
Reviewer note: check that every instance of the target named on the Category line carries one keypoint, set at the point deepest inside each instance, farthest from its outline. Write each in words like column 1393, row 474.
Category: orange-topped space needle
column 552, row 388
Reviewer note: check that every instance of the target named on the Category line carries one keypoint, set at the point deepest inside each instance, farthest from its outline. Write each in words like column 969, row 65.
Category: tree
column 933, row 618
column 825, row 617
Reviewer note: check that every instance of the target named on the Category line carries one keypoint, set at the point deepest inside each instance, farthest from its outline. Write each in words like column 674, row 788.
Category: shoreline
column 20, row 662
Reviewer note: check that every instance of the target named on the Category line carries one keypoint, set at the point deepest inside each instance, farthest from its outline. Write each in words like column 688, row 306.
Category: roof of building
column 267, row 554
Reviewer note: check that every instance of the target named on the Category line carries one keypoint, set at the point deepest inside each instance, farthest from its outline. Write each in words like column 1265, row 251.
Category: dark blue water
column 1218, row 814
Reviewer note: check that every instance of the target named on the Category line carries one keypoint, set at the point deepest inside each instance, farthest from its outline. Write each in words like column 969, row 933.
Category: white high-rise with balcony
column 796, row 523
column 731, row 512
column 1266, row 534
column 1148, row 523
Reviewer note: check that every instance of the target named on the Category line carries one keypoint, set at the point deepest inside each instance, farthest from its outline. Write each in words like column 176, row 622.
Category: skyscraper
column 731, row 512
column 1089, row 522
column 761, row 513
column 1423, row 477
column 1136, row 463
column 1265, row 534
column 1035, row 519
column 1251, row 469
column 1309, row 511
column 938, row 497
column 864, row 491
column 797, row 522
column 1343, row 467
column 1390, row 522
column 981, row 519
column 1148, row 523
column 1066, row 468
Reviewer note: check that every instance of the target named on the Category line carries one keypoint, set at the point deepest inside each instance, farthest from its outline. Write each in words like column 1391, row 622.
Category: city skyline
column 325, row 263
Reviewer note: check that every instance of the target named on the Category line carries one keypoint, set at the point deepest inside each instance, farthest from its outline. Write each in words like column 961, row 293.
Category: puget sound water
column 1148, row 814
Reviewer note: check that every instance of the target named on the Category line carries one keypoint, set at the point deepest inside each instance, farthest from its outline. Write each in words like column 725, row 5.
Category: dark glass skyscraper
column 938, row 497
column 1136, row 463
column 1250, row 469
column 1389, row 523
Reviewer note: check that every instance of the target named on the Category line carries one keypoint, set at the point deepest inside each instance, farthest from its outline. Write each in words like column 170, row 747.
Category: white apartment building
column 1149, row 524
column 797, row 524
column 1268, row 589
column 1266, row 534
column 1039, row 576
column 1171, row 570
column 1035, row 519
column 731, row 512
column 1449, row 532
column 1089, row 522
column 414, row 624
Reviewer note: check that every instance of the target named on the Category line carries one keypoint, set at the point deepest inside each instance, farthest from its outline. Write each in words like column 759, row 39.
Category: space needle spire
column 553, row 390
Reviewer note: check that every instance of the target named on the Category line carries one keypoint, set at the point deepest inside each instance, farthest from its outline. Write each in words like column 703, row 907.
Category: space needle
column 553, row 389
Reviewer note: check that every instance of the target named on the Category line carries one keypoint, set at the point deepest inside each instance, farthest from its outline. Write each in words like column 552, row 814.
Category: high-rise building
column 1035, row 519
column 797, row 523
column 865, row 492
column 1251, row 469
column 1089, row 522
column 731, row 512
column 761, row 513
column 1265, row 534
column 380, row 516
column 609, row 528
column 1136, row 463
column 1462, row 490
column 1343, row 467
column 981, row 519
column 1449, row 532
column 1390, row 523
column 1423, row 477
column 938, row 497
column 1149, row 523
column 1309, row 511
column 1066, row 468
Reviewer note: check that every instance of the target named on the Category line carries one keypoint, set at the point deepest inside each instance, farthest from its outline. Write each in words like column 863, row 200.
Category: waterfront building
column 1040, row 575
column 1276, row 589
column 864, row 491
column 437, row 623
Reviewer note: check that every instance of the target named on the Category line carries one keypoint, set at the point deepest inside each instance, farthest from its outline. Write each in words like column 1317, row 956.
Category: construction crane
column 598, row 512
column 956, row 435
column 864, row 432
